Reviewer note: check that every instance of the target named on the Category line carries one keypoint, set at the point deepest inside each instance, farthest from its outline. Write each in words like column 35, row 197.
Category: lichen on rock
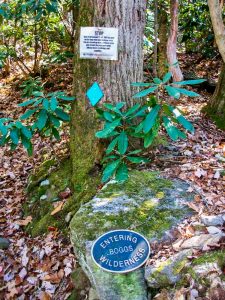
column 146, row 203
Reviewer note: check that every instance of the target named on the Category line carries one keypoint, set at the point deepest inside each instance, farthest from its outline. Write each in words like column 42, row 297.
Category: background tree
column 114, row 77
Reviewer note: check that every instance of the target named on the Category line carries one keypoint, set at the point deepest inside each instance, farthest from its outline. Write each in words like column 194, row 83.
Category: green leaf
column 38, row 94
column 62, row 115
column 141, row 112
column 139, row 127
column 42, row 119
column 45, row 103
column 148, row 139
column 65, row 98
column 107, row 130
column 108, row 116
column 122, row 172
column 122, row 143
column 14, row 135
column 136, row 159
column 56, row 133
column 187, row 92
column 26, row 132
column 110, row 169
column 111, row 146
column 132, row 110
column 171, row 130
column 181, row 119
column 173, row 92
column 141, row 84
column 55, row 121
column 113, row 108
column 157, row 80
column 190, row 82
column 27, row 145
column 26, row 103
column 135, row 152
column 145, row 92
column 3, row 129
column 120, row 105
column 53, row 103
column 28, row 114
column 167, row 77
column 150, row 119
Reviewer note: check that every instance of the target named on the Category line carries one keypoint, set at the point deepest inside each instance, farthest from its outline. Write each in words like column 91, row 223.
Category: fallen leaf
column 57, row 209
column 24, row 222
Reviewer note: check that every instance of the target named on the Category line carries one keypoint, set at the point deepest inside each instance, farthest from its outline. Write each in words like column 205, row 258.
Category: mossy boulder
column 146, row 203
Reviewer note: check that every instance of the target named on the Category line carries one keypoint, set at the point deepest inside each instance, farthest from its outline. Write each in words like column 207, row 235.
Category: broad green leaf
column 55, row 121
column 65, row 98
column 181, row 119
column 14, row 135
column 173, row 92
column 145, row 92
column 139, row 127
column 107, row 130
column 132, row 110
column 27, row 145
column 108, row 116
column 45, row 103
column 56, row 133
column 187, row 92
column 141, row 84
column 120, row 105
column 3, row 140
column 3, row 129
column 167, row 77
column 113, row 108
column 38, row 94
column 122, row 143
column 135, row 152
column 122, row 172
column 62, row 115
column 109, row 157
column 136, row 159
column 157, row 80
column 141, row 112
column 26, row 132
column 167, row 109
column 42, row 119
column 37, row 102
column 26, row 103
column 111, row 146
column 148, row 139
column 110, row 169
column 28, row 114
column 53, row 103
column 150, row 119
column 171, row 130
column 18, row 124
column 190, row 82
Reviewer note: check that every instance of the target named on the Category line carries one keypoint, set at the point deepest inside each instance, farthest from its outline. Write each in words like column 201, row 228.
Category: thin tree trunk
column 218, row 25
column 172, row 42
column 114, row 77
column 162, row 58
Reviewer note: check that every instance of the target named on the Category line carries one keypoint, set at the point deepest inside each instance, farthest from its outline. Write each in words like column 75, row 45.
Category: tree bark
column 114, row 77
column 172, row 42
column 218, row 25
column 162, row 58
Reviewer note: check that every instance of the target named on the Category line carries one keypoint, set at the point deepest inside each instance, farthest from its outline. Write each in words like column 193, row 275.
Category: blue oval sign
column 120, row 251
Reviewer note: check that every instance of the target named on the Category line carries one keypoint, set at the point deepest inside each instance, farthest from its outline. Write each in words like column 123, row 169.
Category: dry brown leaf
column 24, row 222
column 44, row 296
column 57, row 209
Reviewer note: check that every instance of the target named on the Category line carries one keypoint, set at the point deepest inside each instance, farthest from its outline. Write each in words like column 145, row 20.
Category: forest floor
column 40, row 268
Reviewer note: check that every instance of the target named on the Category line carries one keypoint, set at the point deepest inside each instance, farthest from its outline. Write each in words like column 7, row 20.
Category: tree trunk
column 218, row 25
column 114, row 78
column 216, row 106
column 172, row 42
column 162, row 59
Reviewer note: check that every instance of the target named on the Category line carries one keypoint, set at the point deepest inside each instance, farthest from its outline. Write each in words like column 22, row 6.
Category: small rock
column 198, row 242
column 166, row 273
column 43, row 197
column 45, row 183
column 4, row 243
column 68, row 217
column 212, row 220
column 213, row 230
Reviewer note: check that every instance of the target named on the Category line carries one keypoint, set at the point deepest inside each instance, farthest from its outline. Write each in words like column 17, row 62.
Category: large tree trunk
column 216, row 106
column 172, row 42
column 114, row 78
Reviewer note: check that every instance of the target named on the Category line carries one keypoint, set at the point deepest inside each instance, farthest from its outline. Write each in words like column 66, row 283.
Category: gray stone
column 198, row 241
column 146, row 203
column 4, row 243
column 43, row 197
column 212, row 220
column 45, row 183
column 213, row 230
column 168, row 272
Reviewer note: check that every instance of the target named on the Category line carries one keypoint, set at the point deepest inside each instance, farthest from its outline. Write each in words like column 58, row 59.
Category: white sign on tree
column 99, row 43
